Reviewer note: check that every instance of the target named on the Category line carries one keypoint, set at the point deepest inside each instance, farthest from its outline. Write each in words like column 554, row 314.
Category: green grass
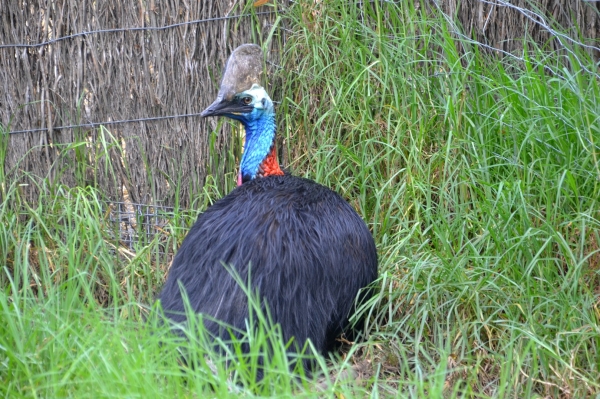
column 479, row 178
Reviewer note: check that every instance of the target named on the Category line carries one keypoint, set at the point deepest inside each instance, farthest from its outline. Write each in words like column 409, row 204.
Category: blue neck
column 260, row 135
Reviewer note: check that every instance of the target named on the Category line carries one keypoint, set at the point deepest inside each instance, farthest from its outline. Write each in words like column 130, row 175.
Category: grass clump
column 480, row 180
column 478, row 176
column 76, row 318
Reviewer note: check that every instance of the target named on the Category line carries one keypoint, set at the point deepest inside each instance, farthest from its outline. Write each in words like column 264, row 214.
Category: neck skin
column 260, row 156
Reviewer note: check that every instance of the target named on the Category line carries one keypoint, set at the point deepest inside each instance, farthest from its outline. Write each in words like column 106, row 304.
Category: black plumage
column 310, row 254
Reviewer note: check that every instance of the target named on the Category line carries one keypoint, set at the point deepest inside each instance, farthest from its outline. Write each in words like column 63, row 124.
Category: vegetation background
column 477, row 172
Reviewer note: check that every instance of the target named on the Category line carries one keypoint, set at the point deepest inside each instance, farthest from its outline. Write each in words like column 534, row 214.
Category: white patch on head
column 260, row 96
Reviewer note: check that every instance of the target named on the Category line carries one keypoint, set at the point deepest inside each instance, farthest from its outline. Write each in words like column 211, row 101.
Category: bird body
column 305, row 249
column 298, row 245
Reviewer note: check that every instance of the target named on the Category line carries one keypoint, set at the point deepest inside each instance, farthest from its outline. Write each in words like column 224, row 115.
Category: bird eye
column 246, row 100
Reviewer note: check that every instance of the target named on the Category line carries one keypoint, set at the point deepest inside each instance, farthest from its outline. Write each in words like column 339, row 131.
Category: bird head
column 239, row 88
column 254, row 109
column 241, row 97
column 247, row 107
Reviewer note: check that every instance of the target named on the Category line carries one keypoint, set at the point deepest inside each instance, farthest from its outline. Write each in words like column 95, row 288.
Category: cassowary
column 300, row 246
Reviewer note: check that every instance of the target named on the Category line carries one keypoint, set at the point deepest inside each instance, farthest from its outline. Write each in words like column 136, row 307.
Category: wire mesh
column 137, row 225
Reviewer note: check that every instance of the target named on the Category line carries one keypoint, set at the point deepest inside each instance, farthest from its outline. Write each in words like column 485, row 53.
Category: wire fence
column 132, row 29
column 67, row 69
column 140, row 224
column 93, row 125
column 535, row 17
column 70, row 69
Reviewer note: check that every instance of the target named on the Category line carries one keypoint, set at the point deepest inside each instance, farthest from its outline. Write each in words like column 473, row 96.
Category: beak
column 225, row 107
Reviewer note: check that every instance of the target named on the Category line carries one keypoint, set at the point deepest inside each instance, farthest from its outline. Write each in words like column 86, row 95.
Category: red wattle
column 270, row 165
